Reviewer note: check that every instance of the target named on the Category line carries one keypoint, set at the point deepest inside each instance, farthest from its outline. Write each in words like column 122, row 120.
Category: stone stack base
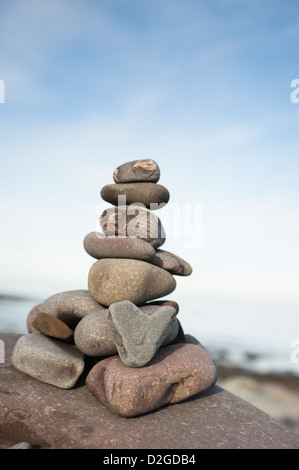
column 52, row 418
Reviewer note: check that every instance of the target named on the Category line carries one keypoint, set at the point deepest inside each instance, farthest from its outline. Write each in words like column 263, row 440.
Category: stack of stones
column 118, row 335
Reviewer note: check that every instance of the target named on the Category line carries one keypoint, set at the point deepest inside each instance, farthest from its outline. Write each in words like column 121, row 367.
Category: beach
column 274, row 393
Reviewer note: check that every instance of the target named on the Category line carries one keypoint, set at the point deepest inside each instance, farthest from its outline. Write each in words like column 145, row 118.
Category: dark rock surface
column 45, row 416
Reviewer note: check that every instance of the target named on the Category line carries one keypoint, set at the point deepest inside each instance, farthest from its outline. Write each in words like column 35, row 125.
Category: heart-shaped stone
column 136, row 334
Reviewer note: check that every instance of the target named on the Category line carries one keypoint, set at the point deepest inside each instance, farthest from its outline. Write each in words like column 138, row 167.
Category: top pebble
column 137, row 171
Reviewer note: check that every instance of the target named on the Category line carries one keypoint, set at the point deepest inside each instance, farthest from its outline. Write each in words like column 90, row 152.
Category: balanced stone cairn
column 128, row 341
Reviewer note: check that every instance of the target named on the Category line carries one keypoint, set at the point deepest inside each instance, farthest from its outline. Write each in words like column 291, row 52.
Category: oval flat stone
column 99, row 246
column 48, row 360
column 70, row 306
column 171, row 262
column 92, row 335
column 176, row 372
column 151, row 195
column 138, row 335
column 137, row 171
column 52, row 326
column 133, row 222
column 113, row 280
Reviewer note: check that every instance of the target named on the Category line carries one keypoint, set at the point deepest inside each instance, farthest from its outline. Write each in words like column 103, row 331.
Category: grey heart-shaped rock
column 137, row 335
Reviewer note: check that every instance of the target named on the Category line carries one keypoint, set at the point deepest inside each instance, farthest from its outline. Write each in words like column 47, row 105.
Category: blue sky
column 201, row 87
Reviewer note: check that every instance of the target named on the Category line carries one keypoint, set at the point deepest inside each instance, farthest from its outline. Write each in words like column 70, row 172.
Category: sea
column 257, row 337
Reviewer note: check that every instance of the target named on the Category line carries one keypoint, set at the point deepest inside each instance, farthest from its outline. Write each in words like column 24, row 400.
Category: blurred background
column 204, row 89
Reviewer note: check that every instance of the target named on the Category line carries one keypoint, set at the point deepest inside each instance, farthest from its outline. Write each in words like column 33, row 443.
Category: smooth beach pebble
column 133, row 222
column 70, row 306
column 113, row 280
column 137, row 171
column 48, row 360
column 171, row 262
column 152, row 195
column 100, row 246
column 139, row 335
column 180, row 337
column 52, row 326
column 92, row 335
column 176, row 372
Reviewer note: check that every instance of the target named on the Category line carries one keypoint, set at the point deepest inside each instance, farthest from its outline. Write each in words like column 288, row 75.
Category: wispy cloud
column 91, row 85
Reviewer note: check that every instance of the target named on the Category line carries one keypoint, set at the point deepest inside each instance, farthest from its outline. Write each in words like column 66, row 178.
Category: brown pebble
column 176, row 372
column 144, row 170
column 100, row 246
column 113, row 280
column 134, row 222
column 152, row 195
column 52, row 326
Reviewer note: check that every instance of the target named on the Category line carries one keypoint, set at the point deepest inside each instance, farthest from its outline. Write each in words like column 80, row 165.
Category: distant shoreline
column 16, row 297
column 288, row 379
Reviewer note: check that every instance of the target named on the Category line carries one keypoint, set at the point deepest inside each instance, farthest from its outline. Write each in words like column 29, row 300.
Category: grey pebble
column 138, row 335
column 70, row 306
column 92, row 335
column 48, row 360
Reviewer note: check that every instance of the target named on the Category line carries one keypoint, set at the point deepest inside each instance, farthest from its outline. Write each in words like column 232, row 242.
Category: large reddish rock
column 176, row 372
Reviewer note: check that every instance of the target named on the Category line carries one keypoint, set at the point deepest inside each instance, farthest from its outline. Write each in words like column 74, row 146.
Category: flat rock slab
column 52, row 418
